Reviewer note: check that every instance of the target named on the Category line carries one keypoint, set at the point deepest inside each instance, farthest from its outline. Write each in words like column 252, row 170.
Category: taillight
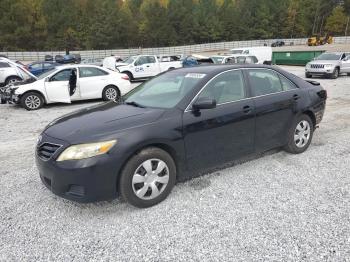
column 125, row 77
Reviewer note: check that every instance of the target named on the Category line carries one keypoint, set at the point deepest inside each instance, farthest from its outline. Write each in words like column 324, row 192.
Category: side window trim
column 244, row 70
column 246, row 91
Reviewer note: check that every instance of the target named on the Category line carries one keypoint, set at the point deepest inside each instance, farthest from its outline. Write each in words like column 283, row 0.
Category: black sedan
column 175, row 126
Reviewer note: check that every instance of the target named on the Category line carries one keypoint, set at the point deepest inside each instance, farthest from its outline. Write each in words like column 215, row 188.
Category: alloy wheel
column 150, row 179
column 302, row 134
column 32, row 102
column 111, row 94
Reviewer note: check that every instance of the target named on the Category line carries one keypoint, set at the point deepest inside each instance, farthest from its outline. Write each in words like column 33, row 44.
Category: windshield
column 43, row 75
column 328, row 56
column 129, row 60
column 165, row 91
column 217, row 59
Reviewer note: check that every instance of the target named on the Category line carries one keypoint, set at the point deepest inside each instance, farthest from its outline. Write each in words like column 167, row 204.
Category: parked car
column 145, row 66
column 262, row 53
column 69, row 83
column 111, row 62
column 11, row 72
column 68, row 59
column 234, row 59
column 278, row 43
column 197, row 60
column 175, row 126
column 92, row 61
column 37, row 68
column 330, row 65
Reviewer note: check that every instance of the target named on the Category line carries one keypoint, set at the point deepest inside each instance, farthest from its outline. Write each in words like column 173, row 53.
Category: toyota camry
column 175, row 126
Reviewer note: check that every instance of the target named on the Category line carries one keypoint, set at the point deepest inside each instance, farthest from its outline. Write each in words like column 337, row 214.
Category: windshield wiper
column 133, row 103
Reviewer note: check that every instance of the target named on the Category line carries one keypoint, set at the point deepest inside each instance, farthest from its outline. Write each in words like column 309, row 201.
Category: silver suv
column 330, row 65
column 11, row 72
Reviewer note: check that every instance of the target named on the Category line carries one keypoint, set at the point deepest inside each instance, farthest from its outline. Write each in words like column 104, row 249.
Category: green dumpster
column 300, row 58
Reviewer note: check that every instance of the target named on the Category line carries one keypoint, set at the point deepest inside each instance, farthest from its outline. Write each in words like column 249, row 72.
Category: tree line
column 36, row 25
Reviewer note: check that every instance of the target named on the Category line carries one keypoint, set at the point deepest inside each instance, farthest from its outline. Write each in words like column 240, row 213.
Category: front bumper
column 7, row 95
column 87, row 180
column 319, row 71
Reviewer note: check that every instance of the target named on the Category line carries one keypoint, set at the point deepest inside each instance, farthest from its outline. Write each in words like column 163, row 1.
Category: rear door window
column 264, row 82
column 90, row 72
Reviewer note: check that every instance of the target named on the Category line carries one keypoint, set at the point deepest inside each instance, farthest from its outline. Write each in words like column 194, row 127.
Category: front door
column 345, row 64
column 218, row 135
column 57, row 87
column 276, row 100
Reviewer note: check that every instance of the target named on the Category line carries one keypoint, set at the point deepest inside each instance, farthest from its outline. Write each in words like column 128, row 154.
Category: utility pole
column 347, row 26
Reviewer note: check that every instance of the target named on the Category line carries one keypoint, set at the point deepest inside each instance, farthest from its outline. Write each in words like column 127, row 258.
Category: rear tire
column 110, row 93
column 32, row 101
column 147, row 178
column 12, row 79
column 300, row 135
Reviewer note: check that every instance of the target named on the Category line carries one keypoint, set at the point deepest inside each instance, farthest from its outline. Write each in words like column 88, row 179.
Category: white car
column 262, row 53
column 145, row 66
column 66, row 84
column 234, row 59
column 11, row 72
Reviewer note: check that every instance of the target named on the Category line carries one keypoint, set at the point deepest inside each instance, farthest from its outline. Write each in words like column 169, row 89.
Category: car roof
column 76, row 65
column 217, row 68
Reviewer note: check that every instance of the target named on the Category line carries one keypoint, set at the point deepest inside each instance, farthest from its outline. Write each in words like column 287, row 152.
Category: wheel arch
column 162, row 145
column 12, row 76
column 35, row 91
column 311, row 114
column 128, row 72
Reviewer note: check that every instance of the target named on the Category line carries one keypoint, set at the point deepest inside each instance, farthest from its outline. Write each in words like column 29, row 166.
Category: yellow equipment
column 320, row 40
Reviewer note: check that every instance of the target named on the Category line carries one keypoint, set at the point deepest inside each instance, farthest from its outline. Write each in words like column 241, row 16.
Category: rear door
column 276, row 101
column 218, row 135
column 57, row 87
column 91, row 81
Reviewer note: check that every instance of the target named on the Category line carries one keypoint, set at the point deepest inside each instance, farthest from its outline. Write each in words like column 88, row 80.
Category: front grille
column 317, row 66
column 47, row 150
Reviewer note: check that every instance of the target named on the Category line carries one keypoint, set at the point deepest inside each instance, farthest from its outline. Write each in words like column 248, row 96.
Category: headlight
column 82, row 151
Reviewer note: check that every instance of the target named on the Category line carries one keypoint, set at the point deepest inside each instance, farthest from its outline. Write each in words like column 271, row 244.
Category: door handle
column 296, row 97
column 247, row 109
column 147, row 66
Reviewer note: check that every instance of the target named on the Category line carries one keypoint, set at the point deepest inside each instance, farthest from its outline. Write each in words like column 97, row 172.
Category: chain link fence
column 186, row 49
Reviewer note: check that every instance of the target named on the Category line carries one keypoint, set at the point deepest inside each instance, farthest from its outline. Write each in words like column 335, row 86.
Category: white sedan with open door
column 66, row 84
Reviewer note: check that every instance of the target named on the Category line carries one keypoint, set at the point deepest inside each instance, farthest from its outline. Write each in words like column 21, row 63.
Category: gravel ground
column 278, row 207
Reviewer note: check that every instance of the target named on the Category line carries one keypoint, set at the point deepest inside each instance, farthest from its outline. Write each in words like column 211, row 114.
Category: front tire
column 335, row 74
column 300, row 135
column 130, row 75
column 32, row 101
column 110, row 93
column 147, row 178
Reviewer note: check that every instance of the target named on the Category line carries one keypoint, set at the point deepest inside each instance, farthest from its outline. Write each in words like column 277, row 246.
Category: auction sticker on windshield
column 195, row 75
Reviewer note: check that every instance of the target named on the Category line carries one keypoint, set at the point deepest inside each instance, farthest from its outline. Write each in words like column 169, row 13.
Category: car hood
column 100, row 122
column 324, row 62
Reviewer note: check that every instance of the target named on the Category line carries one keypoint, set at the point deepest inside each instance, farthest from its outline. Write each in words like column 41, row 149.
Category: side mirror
column 204, row 103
